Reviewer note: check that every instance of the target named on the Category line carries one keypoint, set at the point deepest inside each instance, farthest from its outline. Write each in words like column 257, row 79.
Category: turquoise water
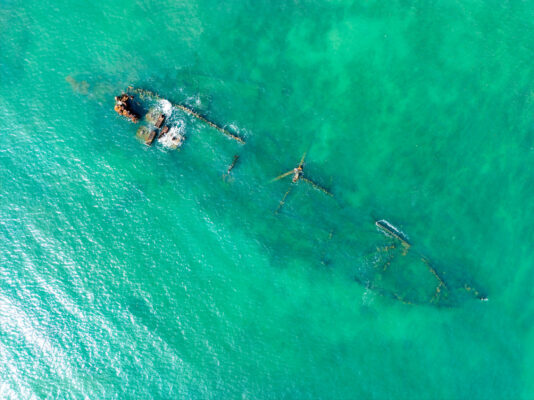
column 129, row 272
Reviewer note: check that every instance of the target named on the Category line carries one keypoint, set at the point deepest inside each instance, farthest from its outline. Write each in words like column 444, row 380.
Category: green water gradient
column 129, row 272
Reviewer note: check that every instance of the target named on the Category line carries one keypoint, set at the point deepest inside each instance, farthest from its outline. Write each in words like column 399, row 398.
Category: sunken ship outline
column 126, row 107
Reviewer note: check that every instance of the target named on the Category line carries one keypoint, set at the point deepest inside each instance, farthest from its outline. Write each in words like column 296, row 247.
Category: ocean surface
column 135, row 272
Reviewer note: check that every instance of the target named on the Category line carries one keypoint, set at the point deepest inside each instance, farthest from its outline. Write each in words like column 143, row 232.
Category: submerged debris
column 393, row 232
column 142, row 133
column 443, row 294
column 298, row 175
column 231, row 167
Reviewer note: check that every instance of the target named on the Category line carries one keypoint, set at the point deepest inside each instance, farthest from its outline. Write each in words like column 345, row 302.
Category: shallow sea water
column 129, row 272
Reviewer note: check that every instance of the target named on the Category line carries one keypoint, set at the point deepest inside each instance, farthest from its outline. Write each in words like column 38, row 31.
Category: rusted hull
column 124, row 108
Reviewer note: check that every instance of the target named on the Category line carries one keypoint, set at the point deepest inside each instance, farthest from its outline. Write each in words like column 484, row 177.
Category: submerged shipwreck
column 393, row 270
column 398, row 272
